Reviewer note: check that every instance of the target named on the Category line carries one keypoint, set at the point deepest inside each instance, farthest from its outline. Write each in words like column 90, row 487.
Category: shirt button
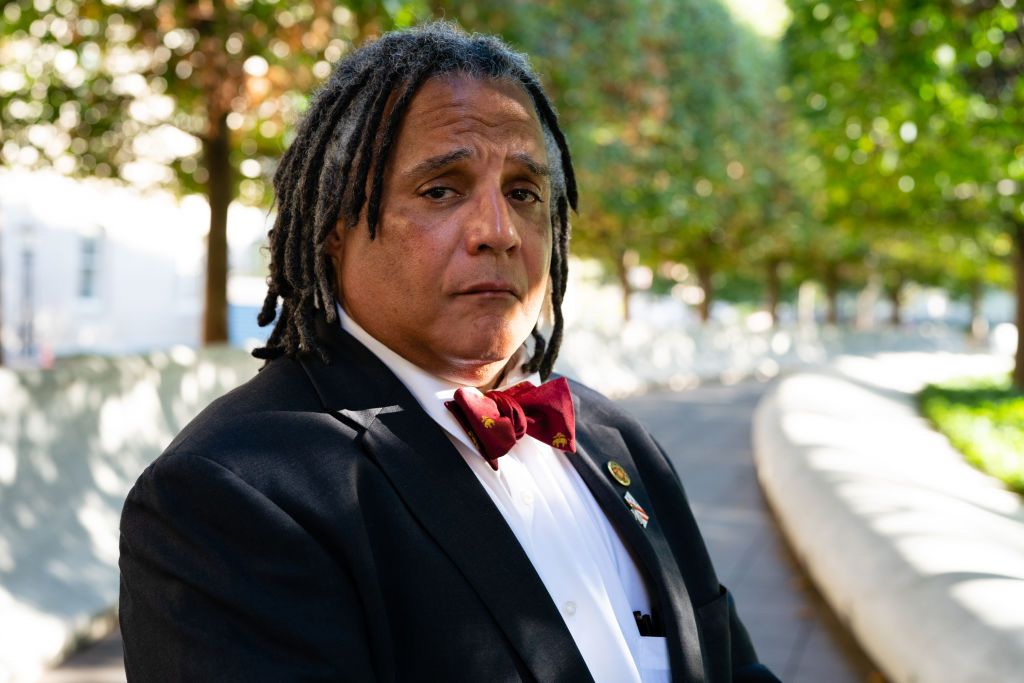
column 526, row 497
column 569, row 608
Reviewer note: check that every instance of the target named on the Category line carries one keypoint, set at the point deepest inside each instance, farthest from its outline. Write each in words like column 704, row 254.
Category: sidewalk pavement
column 921, row 555
column 707, row 434
column 706, row 431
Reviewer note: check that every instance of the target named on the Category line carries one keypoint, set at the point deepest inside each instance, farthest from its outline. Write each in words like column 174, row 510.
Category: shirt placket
column 576, row 583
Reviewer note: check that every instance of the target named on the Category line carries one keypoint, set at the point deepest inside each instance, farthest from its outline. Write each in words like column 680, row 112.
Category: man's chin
column 482, row 368
column 483, row 361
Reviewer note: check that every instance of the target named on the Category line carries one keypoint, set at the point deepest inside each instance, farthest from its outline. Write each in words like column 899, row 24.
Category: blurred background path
column 706, row 431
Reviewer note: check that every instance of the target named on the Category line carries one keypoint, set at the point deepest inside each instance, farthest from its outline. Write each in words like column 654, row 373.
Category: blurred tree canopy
column 912, row 117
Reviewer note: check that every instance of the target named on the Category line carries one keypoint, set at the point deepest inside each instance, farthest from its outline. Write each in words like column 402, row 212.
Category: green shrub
column 984, row 419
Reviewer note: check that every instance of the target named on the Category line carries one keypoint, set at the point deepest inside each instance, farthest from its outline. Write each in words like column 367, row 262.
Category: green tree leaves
column 914, row 110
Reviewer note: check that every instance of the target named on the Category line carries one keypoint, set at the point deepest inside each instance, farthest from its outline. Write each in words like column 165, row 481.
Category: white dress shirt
column 591, row 577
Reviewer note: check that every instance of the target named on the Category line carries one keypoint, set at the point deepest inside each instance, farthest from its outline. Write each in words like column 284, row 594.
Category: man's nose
column 491, row 226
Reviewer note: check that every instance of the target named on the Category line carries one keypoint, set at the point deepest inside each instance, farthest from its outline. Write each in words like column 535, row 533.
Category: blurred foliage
column 911, row 113
column 670, row 109
column 130, row 88
column 984, row 419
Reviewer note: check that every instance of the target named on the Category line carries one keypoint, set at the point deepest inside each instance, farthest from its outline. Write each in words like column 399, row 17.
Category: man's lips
column 484, row 289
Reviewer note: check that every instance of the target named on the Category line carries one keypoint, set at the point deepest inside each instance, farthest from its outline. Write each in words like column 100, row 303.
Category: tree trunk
column 895, row 291
column 623, row 272
column 774, row 288
column 866, row 300
column 216, row 157
column 978, row 325
column 806, row 305
column 1017, row 230
column 704, row 279
column 832, row 293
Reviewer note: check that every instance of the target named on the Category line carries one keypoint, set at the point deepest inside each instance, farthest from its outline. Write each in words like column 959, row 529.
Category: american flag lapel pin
column 639, row 514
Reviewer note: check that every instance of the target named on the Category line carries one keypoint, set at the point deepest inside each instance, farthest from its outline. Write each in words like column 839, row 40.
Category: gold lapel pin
column 618, row 473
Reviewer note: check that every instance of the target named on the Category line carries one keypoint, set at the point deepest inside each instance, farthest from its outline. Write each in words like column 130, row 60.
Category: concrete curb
column 918, row 553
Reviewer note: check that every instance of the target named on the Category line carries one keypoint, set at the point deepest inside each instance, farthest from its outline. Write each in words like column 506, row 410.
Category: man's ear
column 334, row 245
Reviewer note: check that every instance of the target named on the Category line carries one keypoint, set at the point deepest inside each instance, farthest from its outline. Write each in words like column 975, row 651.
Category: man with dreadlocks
column 399, row 494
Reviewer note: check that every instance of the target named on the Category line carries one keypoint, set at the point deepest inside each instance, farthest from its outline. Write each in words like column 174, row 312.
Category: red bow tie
column 496, row 420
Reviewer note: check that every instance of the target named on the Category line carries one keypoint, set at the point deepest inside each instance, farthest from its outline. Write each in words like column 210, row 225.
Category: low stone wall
column 920, row 555
column 72, row 442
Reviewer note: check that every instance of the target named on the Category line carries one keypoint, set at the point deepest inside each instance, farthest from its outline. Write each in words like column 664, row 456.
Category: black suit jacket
column 315, row 524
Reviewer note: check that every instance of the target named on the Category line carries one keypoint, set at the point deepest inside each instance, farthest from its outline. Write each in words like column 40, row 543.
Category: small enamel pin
column 639, row 514
column 618, row 473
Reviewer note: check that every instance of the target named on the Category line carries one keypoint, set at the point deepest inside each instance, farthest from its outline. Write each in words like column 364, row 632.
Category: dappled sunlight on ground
column 76, row 438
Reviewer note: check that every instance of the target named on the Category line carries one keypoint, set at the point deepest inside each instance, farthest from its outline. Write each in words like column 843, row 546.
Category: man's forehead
column 451, row 105
column 462, row 86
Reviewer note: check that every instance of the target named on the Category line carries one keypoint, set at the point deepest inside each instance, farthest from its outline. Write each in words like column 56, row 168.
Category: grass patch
column 984, row 420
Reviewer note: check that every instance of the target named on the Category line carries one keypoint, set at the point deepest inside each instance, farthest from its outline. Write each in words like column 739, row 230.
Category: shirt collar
column 430, row 391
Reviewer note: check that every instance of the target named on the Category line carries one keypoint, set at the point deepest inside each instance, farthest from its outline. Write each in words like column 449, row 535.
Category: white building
column 91, row 267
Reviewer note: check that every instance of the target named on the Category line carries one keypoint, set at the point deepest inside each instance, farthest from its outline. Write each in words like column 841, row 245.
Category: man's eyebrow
column 436, row 163
column 534, row 166
column 428, row 166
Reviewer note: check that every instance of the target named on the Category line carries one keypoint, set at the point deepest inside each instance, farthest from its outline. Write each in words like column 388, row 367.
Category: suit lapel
column 597, row 444
column 444, row 495
column 442, row 492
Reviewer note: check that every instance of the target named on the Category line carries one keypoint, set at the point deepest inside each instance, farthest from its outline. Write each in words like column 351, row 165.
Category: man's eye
column 439, row 193
column 521, row 195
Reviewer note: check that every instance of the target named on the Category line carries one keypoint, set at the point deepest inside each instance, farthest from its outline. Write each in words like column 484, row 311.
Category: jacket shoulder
column 273, row 421
column 595, row 406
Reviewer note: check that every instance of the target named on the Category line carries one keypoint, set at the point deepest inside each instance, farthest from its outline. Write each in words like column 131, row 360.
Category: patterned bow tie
column 495, row 421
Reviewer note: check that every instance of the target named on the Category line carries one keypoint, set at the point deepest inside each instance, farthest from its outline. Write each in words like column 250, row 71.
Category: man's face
column 458, row 272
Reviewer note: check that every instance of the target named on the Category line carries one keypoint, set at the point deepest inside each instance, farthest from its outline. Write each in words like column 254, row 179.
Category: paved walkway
column 707, row 431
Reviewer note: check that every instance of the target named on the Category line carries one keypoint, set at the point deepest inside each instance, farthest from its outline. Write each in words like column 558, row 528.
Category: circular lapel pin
column 618, row 473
